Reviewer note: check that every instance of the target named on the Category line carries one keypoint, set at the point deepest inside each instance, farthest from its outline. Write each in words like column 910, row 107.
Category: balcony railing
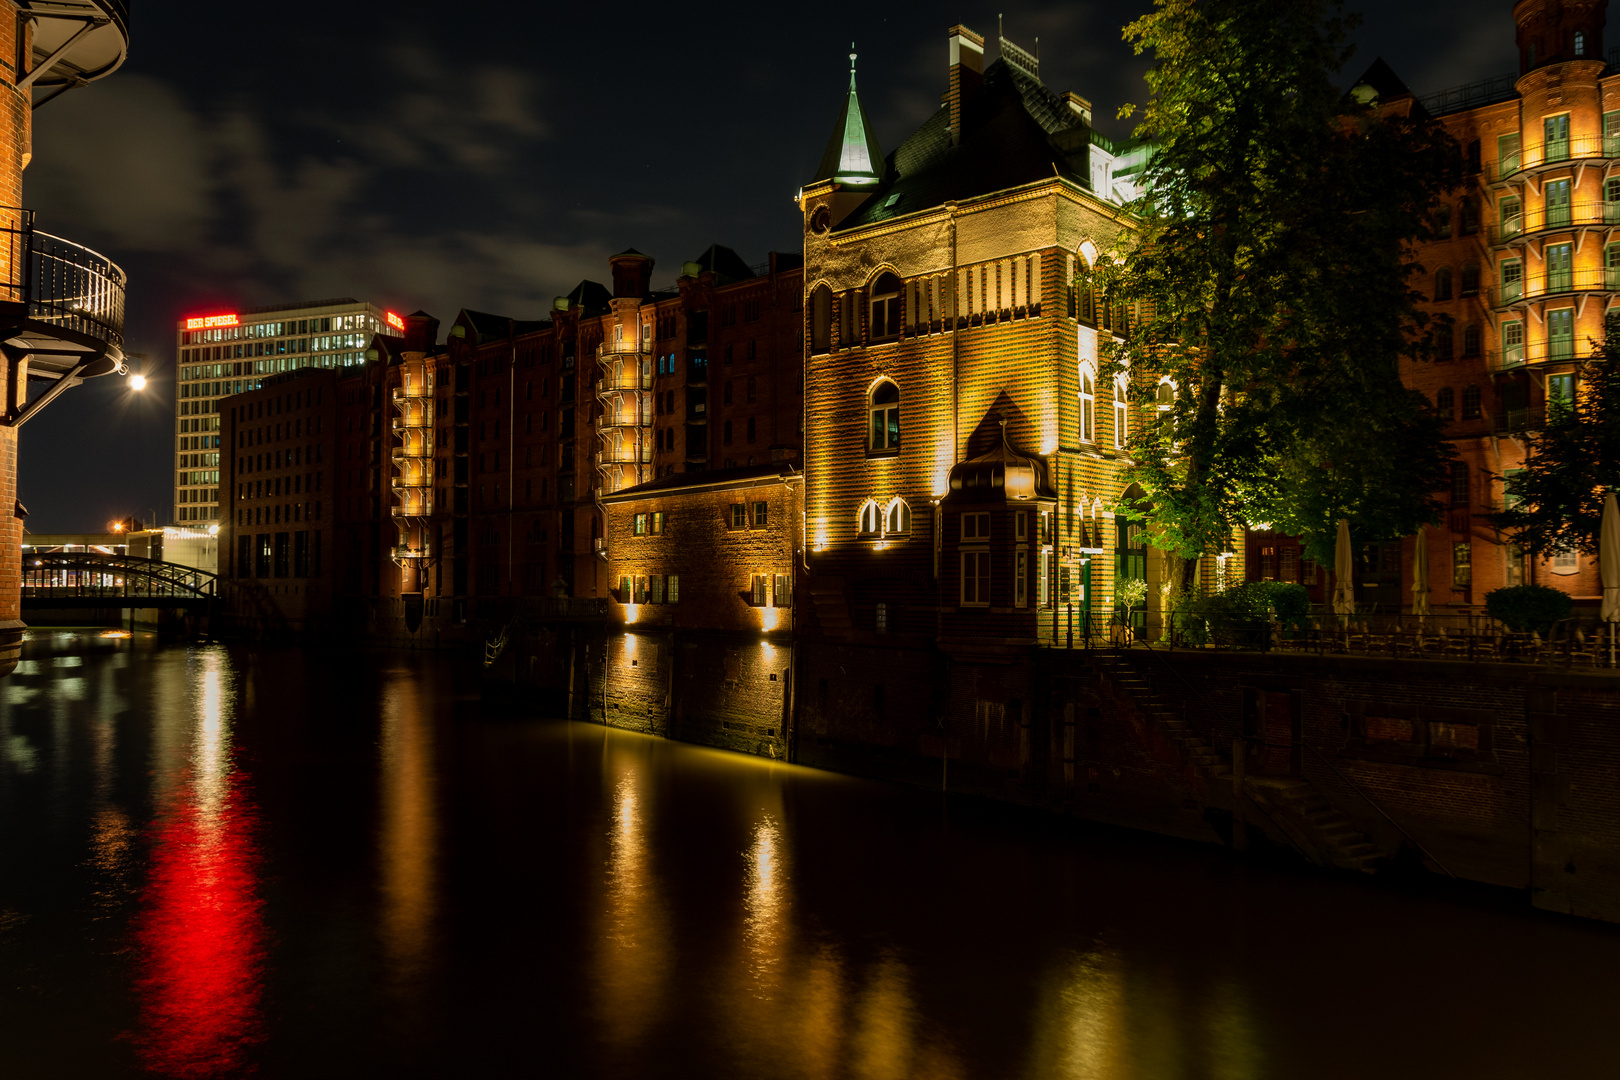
column 1557, row 152
column 624, row 455
column 1544, row 219
column 620, row 348
column 410, row 393
column 1506, row 421
column 410, row 483
column 62, row 283
column 1553, row 283
column 615, row 382
column 1525, row 356
column 416, row 508
column 412, row 423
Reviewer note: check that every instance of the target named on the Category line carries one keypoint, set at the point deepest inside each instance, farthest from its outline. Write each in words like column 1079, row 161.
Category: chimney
column 967, row 74
column 1079, row 106
column 421, row 332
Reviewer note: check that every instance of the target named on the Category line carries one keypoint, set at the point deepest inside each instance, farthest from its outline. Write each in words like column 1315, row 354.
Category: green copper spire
column 852, row 155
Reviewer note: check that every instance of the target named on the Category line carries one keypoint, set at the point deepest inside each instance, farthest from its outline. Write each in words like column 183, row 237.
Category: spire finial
column 852, row 65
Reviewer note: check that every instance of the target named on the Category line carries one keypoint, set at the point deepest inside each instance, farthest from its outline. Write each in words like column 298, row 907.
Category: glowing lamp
column 768, row 618
column 631, row 612
column 137, row 382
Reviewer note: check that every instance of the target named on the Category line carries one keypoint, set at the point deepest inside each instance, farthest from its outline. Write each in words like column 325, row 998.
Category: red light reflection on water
column 200, row 936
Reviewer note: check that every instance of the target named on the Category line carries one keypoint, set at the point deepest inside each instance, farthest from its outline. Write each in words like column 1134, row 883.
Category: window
column 867, row 522
column 725, row 433
column 1442, row 283
column 1088, row 402
column 1120, row 432
column 759, row 590
column 657, row 522
column 897, row 518
column 1565, row 562
column 1556, row 132
column 1507, row 154
column 884, row 410
column 1461, row 565
column 657, row 589
column 1442, row 223
column 1021, row 526
column 1470, row 279
column 975, row 527
column 1445, row 403
column 881, row 618
column 1021, row 578
column 1444, row 345
column 750, row 389
column 975, row 578
column 1557, row 196
column 739, row 516
column 1580, row 43
column 1512, row 280
column 1459, row 485
column 1561, row 388
column 781, row 591
column 672, row 589
column 1511, row 217
column 1561, row 333
column 1471, row 338
column 1560, row 260
column 760, row 515
column 1469, row 209
column 641, row 525
column 1470, row 409
column 886, row 311
column 1611, row 266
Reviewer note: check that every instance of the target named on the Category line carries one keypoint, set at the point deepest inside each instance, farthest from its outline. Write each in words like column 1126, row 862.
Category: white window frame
column 883, row 419
column 1121, row 415
column 1088, row 402
column 976, row 577
column 974, row 527
column 869, row 519
column 898, row 509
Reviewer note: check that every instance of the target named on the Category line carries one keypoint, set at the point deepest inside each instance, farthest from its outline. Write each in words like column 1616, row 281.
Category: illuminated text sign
column 394, row 320
column 208, row 322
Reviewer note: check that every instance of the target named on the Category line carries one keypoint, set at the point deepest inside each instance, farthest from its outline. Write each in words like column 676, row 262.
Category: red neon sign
column 394, row 320
column 208, row 322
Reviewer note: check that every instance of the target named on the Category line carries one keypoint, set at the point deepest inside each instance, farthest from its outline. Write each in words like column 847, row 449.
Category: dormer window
column 886, row 313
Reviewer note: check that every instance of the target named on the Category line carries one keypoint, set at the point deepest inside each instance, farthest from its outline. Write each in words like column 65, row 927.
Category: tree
column 1555, row 503
column 1271, row 283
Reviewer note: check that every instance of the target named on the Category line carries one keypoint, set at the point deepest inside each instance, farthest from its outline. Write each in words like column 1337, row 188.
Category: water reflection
column 633, row 948
column 409, row 831
column 200, row 934
column 765, row 908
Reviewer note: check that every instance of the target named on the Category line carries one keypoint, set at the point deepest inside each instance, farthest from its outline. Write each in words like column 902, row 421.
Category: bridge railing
column 62, row 575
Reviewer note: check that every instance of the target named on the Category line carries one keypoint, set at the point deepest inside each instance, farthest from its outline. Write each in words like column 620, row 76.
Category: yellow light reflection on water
column 410, row 828
column 633, row 955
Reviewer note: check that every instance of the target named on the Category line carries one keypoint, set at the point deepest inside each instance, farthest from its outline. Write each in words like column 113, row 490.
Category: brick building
column 1523, row 276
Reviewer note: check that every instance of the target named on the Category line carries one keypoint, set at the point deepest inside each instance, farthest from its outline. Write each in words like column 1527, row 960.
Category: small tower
column 1555, row 31
column 852, row 158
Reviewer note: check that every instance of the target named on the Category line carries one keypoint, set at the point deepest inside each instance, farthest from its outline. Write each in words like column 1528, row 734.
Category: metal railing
column 1552, row 283
column 1508, row 359
column 60, row 575
column 1505, row 421
column 417, row 508
column 64, row 284
column 622, row 348
column 1557, row 152
column 626, row 380
column 1470, row 95
column 1544, row 219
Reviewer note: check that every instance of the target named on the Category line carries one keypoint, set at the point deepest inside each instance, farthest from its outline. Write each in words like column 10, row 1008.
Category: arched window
column 1445, row 403
column 1444, row 346
column 1088, row 403
column 885, row 415
column 1470, row 403
column 1165, row 396
column 1470, row 279
column 897, row 518
column 886, row 312
column 1120, row 432
column 750, row 388
column 1442, row 283
column 1470, row 216
column 821, row 319
column 868, row 521
column 1471, row 339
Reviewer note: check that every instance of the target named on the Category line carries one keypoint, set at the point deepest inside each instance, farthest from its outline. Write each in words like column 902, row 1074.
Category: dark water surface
column 222, row 862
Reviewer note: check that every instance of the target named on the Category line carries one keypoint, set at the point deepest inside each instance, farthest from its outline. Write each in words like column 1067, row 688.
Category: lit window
column 868, row 519
column 761, row 515
column 1445, row 403
column 657, row 522
column 886, row 314
column 884, row 411
column 739, row 515
column 1580, row 43
column 897, row 518
column 1565, row 562
column 882, row 618
column 1120, row 432
column 781, row 591
column 1088, row 403
column 761, row 585
column 641, row 525
column 1461, row 565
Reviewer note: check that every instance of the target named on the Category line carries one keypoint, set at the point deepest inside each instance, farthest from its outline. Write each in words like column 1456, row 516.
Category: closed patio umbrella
column 1420, row 574
column 1344, row 588
column 1609, row 566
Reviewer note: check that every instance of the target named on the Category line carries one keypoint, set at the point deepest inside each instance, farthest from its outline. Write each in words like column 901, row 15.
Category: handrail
column 179, row 578
column 1554, row 153
column 1535, row 219
column 1552, row 283
column 1312, row 749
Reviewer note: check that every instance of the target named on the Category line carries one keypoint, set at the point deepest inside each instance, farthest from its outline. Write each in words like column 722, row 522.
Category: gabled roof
column 1015, row 131
column 737, row 476
column 1383, row 81
column 484, row 325
column 852, row 156
column 724, row 263
column 590, row 296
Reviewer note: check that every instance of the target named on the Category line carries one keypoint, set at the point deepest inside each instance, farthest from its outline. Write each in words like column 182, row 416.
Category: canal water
column 219, row 861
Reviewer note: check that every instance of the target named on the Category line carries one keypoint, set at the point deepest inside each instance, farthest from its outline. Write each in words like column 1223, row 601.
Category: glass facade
column 215, row 361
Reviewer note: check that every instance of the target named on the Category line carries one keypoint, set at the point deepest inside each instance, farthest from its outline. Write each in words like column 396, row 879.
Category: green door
column 1132, row 566
column 1556, row 131
column 1560, row 268
column 1557, row 204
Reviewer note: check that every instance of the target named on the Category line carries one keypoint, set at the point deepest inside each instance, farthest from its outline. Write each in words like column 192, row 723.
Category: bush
column 1526, row 608
column 1240, row 615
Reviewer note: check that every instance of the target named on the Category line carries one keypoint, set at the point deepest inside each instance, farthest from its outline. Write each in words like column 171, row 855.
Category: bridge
column 88, row 579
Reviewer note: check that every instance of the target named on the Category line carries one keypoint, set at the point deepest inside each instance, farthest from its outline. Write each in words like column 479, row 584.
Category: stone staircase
column 1320, row 831
column 1151, row 713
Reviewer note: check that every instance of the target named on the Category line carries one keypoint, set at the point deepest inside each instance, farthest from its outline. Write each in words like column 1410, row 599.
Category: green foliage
column 1225, row 617
column 1271, row 282
column 1556, row 503
column 1523, row 608
column 1130, row 592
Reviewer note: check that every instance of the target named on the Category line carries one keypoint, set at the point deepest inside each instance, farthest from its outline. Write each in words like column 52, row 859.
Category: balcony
column 413, row 508
column 613, row 382
column 1557, row 283
column 64, row 303
column 625, row 348
column 1540, row 219
column 404, row 394
column 410, row 483
column 1508, row 359
column 1507, row 421
column 1548, row 155
column 624, row 455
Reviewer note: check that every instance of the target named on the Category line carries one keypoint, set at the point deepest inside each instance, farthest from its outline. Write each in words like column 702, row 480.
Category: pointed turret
column 852, row 157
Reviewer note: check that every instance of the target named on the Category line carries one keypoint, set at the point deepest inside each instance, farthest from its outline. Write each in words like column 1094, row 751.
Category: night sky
column 490, row 155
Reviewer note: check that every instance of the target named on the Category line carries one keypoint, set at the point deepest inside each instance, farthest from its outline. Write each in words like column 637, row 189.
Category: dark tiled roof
column 726, row 264
column 590, row 296
column 485, row 325
column 1382, row 78
column 676, row 481
column 1014, row 132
